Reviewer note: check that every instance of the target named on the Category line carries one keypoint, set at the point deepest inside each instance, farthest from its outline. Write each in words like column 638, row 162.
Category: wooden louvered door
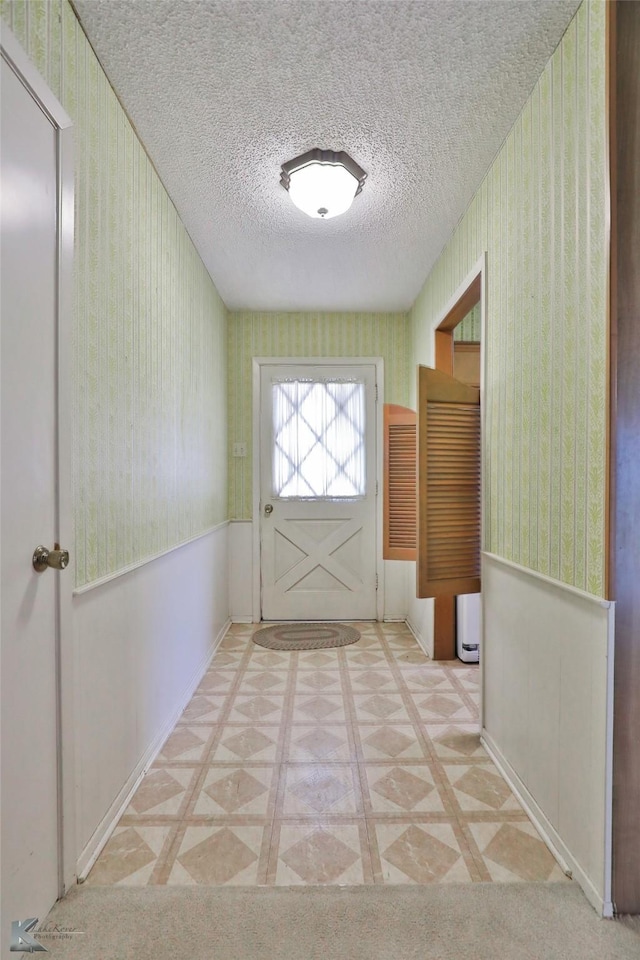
column 399, row 512
column 449, row 507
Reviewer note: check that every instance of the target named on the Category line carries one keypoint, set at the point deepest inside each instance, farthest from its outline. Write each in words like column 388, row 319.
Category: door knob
column 268, row 509
column 56, row 558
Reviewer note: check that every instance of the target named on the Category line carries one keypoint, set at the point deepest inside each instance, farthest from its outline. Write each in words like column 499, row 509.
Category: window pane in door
column 318, row 430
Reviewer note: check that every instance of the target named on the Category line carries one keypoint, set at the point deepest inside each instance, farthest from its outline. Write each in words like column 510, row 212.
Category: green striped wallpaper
column 469, row 329
column 541, row 214
column 250, row 335
column 150, row 440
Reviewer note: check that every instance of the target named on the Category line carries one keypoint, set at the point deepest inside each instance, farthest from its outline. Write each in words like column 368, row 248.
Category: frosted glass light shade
column 322, row 183
column 322, row 190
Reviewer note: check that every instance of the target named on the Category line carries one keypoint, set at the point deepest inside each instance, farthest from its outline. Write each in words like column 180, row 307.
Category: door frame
column 472, row 290
column 621, row 558
column 257, row 364
column 18, row 61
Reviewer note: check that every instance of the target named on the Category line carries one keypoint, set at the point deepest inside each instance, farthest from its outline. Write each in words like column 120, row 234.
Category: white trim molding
column 123, row 571
column 19, row 61
column 549, row 581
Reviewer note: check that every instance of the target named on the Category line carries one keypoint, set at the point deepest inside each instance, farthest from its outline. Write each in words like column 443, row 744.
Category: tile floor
column 348, row 766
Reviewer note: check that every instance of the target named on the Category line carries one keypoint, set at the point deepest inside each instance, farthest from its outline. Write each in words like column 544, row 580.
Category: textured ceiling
column 421, row 94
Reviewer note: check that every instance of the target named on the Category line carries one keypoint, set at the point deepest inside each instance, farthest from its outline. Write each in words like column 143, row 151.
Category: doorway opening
column 459, row 353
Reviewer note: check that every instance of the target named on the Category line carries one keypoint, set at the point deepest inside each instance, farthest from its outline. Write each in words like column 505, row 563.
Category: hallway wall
column 469, row 328
column 149, row 326
column 541, row 214
column 149, row 435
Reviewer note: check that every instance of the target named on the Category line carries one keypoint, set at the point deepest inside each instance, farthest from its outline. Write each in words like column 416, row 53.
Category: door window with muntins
column 318, row 439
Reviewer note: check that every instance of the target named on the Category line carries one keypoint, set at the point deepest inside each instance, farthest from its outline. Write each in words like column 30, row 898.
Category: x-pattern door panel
column 318, row 553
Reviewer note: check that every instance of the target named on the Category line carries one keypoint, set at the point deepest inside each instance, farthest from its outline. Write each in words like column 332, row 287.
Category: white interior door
column 29, row 507
column 318, row 492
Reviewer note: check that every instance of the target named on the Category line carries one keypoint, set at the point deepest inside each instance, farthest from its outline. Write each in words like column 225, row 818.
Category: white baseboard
column 546, row 830
column 110, row 820
column 420, row 640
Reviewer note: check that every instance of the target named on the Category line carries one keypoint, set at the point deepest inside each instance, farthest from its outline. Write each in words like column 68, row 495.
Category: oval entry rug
column 305, row 636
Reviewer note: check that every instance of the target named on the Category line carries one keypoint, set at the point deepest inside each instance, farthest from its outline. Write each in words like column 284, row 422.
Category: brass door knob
column 57, row 559
column 268, row 509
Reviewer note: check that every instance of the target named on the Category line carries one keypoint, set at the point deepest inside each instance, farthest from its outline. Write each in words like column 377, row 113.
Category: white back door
column 318, row 492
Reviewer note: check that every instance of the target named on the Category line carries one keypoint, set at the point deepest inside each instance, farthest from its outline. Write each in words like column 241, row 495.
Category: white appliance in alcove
column 468, row 612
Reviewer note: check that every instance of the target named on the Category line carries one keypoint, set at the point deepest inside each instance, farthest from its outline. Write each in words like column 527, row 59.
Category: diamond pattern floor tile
column 346, row 766
column 321, row 708
column 381, row 706
column 320, row 790
column 258, row 708
column 246, row 743
column 318, row 659
column 317, row 680
column 372, row 680
column 185, row 744
column 421, row 854
column 461, row 741
column 403, row 789
column 129, row 856
column 320, row 743
column 480, row 787
column 265, row 682
column 239, row 791
column 320, row 856
column 513, row 851
column 218, row 856
column 161, row 791
column 203, row 709
column 390, row 742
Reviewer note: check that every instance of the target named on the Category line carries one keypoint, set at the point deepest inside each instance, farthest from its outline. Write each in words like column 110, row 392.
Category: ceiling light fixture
column 322, row 183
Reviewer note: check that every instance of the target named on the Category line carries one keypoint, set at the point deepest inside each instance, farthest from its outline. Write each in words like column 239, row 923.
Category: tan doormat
column 305, row 636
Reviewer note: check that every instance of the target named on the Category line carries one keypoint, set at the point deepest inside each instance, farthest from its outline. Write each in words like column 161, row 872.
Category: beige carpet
column 484, row 921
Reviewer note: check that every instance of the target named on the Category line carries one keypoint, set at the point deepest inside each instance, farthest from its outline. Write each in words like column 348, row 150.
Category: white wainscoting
column 395, row 590
column 547, row 655
column 143, row 641
column 240, row 571
column 419, row 612
column 241, row 577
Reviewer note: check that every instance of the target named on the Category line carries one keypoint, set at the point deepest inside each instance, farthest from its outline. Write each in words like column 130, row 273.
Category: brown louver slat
column 399, row 511
column 449, row 508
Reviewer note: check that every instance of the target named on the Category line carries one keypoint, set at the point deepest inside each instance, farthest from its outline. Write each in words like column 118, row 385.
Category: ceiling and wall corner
column 420, row 94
